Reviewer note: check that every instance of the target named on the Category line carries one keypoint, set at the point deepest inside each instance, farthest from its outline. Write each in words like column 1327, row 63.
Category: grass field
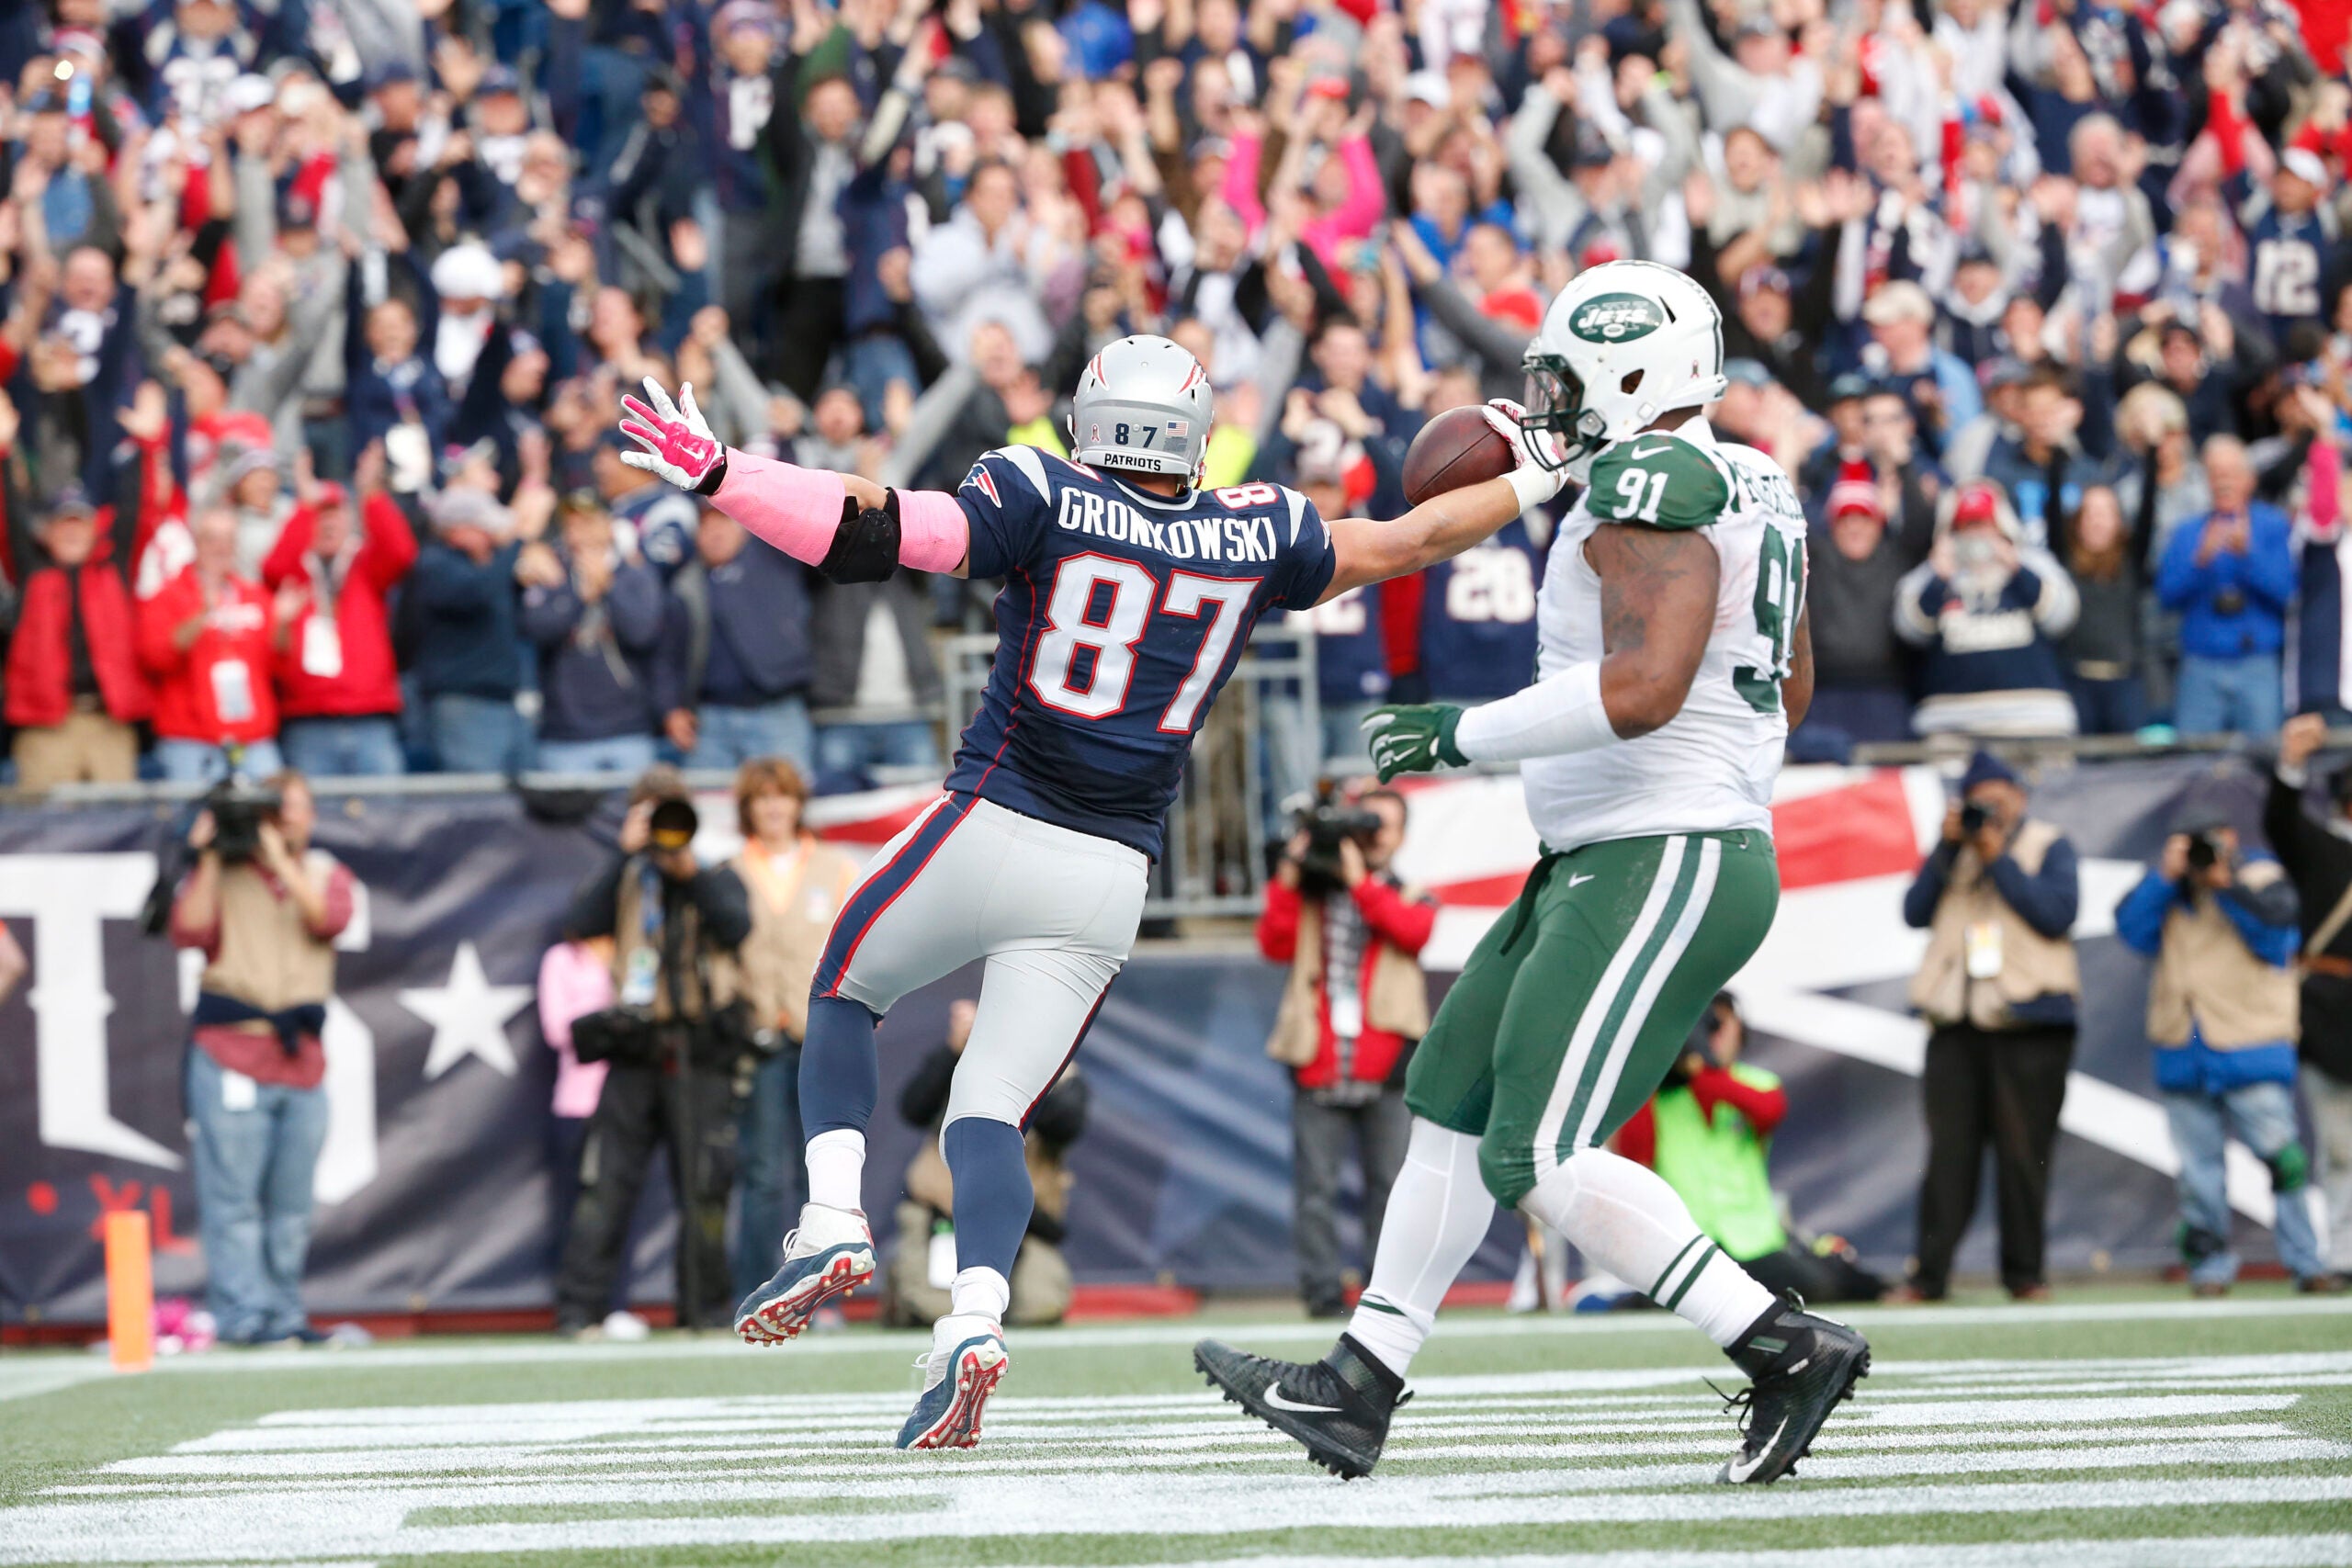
column 2112, row 1427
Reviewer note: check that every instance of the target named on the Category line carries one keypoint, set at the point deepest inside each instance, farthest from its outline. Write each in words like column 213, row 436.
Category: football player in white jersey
column 1674, row 659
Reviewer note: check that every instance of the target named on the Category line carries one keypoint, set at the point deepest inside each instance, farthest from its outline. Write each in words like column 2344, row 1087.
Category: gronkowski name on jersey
column 1123, row 615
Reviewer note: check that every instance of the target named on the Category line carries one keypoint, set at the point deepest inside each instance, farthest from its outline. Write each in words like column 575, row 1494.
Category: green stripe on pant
column 1547, row 1043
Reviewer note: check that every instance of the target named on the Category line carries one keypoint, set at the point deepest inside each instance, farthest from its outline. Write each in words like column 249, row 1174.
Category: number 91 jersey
column 1711, row 767
column 1122, row 615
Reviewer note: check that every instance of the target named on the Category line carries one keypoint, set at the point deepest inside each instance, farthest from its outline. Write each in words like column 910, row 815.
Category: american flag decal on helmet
column 1178, row 429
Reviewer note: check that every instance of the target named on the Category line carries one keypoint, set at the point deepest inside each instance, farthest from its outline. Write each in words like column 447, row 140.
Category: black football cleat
column 1338, row 1407
column 1800, row 1368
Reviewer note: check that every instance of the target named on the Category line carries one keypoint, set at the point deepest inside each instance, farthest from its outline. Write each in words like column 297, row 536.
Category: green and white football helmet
column 1627, row 342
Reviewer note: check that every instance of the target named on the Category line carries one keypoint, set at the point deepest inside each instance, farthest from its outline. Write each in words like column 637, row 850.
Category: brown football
column 1453, row 451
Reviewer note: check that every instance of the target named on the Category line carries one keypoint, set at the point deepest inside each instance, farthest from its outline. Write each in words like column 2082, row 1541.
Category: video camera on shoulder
column 1328, row 823
column 239, row 810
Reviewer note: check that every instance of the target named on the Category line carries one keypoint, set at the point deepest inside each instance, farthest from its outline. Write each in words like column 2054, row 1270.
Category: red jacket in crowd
column 342, row 668
column 41, row 656
column 217, row 690
column 1391, row 920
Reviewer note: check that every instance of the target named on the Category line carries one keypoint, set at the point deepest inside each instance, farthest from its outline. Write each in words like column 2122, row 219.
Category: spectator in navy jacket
column 1986, row 609
column 739, row 610
column 2231, row 574
column 595, row 615
column 458, row 628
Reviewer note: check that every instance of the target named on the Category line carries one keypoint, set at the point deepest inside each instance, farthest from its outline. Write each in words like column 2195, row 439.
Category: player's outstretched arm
column 1658, row 607
column 1445, row 526
column 848, row 527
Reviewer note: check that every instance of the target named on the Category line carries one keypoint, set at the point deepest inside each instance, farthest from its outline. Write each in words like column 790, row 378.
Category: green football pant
column 1579, row 1001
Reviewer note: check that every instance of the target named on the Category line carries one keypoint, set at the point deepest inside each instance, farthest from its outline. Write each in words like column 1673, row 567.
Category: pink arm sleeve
column 933, row 533
column 1356, row 216
column 796, row 510
column 2323, row 494
column 1241, row 182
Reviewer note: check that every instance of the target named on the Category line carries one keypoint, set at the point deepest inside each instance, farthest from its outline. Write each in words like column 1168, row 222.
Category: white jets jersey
column 1712, row 767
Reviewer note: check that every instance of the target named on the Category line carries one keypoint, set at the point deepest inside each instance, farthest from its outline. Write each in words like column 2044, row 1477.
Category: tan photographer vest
column 628, row 936
column 792, row 914
column 2207, row 977
column 268, row 959
column 1396, row 1003
column 2032, row 964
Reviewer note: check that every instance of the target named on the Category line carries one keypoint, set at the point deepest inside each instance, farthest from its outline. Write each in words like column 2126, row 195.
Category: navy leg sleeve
column 839, row 1078
column 992, row 1193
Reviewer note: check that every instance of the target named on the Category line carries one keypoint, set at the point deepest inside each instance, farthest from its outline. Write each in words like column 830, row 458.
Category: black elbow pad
column 865, row 546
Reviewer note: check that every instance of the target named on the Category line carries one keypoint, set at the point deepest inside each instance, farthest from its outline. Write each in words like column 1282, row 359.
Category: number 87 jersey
column 1710, row 768
column 1122, row 613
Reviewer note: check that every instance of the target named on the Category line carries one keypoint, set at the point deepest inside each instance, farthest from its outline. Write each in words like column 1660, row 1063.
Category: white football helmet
column 1143, row 403
column 1626, row 341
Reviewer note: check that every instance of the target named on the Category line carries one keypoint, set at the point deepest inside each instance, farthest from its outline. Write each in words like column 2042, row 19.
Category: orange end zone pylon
column 130, row 1291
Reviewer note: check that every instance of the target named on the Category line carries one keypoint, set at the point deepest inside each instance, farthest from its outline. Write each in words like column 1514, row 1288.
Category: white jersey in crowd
column 1712, row 767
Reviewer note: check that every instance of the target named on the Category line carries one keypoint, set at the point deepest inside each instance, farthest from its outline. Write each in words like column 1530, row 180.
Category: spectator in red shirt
column 1357, row 1000
column 338, row 691
column 76, row 690
column 208, row 640
column 266, row 916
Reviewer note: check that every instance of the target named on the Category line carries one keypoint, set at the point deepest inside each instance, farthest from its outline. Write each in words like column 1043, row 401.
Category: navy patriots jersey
column 1122, row 615
column 2296, row 263
column 1350, row 653
column 1478, row 618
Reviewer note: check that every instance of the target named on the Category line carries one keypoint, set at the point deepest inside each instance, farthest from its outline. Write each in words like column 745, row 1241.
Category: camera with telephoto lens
column 1974, row 818
column 238, row 811
column 2205, row 852
column 1328, row 823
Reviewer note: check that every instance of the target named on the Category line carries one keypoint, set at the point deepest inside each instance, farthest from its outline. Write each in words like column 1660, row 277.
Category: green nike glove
column 1416, row 738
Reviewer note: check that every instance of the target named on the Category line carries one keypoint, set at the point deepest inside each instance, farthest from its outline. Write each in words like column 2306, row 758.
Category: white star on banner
column 468, row 1015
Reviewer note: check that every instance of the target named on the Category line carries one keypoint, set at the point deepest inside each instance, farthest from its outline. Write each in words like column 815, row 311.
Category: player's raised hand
column 679, row 445
column 1415, row 738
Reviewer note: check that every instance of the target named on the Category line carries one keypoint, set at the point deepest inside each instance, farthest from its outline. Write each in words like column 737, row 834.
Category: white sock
column 980, row 1292
column 1626, row 1219
column 837, row 1168
column 1439, row 1211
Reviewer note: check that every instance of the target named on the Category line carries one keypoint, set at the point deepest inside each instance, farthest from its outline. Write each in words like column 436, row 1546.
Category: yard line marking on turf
column 1166, row 1454
column 1125, row 1336
column 270, row 1526
column 2155, row 1551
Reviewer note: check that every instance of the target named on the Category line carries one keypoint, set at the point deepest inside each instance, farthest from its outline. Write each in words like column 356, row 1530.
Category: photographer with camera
column 675, row 1039
column 2000, row 989
column 2221, row 923
column 1357, row 1000
column 1708, row 1132
column 264, row 909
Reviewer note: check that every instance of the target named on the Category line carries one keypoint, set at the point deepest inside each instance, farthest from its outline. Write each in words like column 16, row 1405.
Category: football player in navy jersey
column 1128, row 592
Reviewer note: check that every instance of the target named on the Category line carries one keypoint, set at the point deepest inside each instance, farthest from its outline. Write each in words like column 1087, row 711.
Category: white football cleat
column 830, row 1254
column 966, row 1362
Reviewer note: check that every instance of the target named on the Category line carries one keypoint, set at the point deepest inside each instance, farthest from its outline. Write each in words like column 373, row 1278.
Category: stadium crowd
column 316, row 312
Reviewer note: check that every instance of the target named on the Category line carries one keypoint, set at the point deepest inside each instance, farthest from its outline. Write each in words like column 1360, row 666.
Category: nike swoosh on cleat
column 1580, row 881
column 1274, row 1398
column 1738, row 1471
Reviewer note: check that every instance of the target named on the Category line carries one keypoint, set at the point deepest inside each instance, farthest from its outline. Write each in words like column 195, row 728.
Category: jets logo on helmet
column 1614, row 317
column 1624, row 343
column 1146, row 406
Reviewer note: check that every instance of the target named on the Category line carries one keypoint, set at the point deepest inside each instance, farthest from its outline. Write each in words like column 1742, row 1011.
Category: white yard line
column 2157, row 1552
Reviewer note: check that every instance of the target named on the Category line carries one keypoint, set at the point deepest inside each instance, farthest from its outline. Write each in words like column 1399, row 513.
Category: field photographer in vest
column 2315, row 848
column 2000, row 990
column 676, row 1037
column 264, row 909
column 2222, row 923
column 1708, row 1132
column 1356, row 1003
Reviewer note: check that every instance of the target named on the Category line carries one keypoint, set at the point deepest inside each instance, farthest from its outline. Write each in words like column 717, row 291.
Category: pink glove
column 678, row 443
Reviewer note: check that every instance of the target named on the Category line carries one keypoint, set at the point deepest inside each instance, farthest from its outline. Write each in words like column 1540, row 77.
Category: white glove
column 1540, row 474
column 679, row 445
